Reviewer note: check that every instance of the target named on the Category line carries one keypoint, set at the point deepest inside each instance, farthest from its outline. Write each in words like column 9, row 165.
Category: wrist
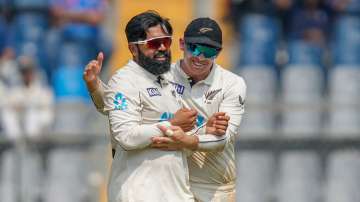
column 194, row 142
column 173, row 122
column 93, row 85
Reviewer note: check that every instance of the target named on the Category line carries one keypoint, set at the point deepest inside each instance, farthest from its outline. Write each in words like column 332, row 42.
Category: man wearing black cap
column 209, row 89
column 202, row 84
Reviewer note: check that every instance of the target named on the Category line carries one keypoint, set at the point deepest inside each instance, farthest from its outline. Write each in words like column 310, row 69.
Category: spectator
column 344, row 6
column 29, row 101
column 8, row 68
column 8, row 72
column 79, row 22
column 240, row 8
column 27, row 112
column 310, row 22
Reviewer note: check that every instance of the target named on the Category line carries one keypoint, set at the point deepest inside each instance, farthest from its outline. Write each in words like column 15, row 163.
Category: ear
column 133, row 50
column 182, row 44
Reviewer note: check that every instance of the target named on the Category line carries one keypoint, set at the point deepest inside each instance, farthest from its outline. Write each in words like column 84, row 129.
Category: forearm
column 132, row 136
column 209, row 142
column 97, row 97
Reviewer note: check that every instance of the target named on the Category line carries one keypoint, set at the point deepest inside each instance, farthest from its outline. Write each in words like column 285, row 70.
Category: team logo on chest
column 153, row 92
column 210, row 95
column 120, row 102
column 178, row 87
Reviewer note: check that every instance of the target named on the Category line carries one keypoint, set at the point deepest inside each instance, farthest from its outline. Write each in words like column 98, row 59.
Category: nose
column 162, row 47
column 200, row 57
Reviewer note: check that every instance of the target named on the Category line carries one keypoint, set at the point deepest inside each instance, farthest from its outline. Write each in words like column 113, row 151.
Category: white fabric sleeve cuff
column 210, row 142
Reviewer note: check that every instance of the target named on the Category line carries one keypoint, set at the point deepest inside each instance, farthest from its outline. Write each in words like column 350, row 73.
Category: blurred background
column 300, row 136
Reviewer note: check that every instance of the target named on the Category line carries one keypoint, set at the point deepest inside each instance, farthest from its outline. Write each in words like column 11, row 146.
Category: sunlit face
column 152, row 32
column 195, row 66
column 153, row 53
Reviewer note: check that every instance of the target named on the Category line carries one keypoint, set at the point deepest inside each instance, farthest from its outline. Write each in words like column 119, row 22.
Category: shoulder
column 230, row 79
column 123, row 76
column 172, row 70
column 169, row 75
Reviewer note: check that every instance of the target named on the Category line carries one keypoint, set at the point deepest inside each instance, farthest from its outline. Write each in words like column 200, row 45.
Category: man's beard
column 154, row 66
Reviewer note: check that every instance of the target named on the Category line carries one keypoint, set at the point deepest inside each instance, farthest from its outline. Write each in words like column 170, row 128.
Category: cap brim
column 202, row 40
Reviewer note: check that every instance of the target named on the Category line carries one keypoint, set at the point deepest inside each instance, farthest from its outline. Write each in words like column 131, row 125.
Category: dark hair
column 138, row 25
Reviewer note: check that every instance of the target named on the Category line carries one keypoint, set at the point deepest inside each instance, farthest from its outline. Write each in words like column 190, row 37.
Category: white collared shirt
column 221, row 91
column 136, row 102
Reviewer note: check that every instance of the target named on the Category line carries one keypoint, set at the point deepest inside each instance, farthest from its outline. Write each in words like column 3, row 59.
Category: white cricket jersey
column 136, row 102
column 214, row 172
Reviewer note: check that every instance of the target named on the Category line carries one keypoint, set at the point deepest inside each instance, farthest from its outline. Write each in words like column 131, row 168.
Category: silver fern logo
column 241, row 100
column 210, row 95
column 205, row 29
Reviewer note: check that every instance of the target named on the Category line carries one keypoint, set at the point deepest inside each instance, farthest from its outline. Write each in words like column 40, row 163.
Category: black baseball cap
column 204, row 31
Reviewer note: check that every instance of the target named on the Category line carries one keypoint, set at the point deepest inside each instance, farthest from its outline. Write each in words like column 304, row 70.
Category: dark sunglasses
column 207, row 51
column 156, row 42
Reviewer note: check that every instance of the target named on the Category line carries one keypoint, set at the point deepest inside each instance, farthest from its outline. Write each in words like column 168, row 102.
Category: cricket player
column 208, row 88
column 138, row 98
column 211, row 89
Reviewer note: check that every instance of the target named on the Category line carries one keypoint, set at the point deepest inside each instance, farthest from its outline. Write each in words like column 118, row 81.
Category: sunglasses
column 156, row 42
column 207, row 51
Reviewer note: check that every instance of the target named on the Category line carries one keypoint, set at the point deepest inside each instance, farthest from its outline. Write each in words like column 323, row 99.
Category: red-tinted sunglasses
column 156, row 42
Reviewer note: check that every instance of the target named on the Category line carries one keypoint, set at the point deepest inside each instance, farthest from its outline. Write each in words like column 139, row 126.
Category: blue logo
column 199, row 120
column 166, row 116
column 179, row 88
column 153, row 92
column 120, row 102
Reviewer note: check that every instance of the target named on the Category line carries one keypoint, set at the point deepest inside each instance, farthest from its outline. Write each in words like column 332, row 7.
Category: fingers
column 175, row 128
column 100, row 58
column 193, row 123
column 162, row 140
column 221, row 123
column 164, row 143
column 223, row 127
column 220, row 131
column 88, row 74
column 220, row 126
column 188, row 112
column 160, row 146
column 92, row 68
column 169, row 131
column 193, row 120
column 216, row 114
column 223, row 117
column 162, row 128
column 183, row 110
column 164, row 148
column 192, row 112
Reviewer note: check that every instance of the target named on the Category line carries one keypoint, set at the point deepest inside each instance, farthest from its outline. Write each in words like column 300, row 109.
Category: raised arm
column 94, row 85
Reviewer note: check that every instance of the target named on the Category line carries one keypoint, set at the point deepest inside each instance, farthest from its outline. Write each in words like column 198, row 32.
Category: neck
column 195, row 77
